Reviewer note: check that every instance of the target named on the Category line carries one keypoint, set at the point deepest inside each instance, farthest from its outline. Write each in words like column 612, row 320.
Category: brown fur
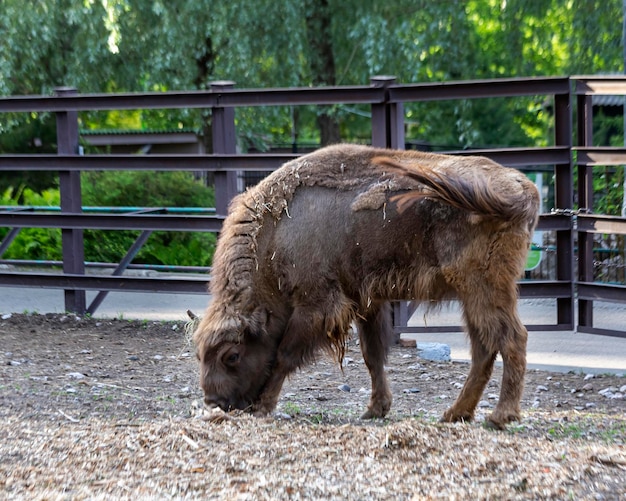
column 329, row 238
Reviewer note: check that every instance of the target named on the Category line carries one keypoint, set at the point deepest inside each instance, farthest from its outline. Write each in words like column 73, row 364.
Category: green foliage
column 608, row 130
column 148, row 45
column 148, row 189
column 34, row 133
column 48, row 44
column 608, row 182
column 51, row 43
column 143, row 189
column 32, row 243
column 608, row 190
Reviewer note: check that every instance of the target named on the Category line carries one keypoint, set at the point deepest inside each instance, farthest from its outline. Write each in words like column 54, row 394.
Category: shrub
column 32, row 243
column 148, row 189
column 120, row 189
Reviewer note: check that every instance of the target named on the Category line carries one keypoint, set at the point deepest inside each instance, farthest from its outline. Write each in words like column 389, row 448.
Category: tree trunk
column 322, row 63
column 329, row 129
column 205, row 64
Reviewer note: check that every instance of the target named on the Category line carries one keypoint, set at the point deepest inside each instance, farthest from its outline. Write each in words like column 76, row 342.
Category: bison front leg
column 266, row 403
column 375, row 334
column 296, row 347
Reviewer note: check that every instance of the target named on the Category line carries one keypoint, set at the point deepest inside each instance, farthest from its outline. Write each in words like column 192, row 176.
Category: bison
column 330, row 238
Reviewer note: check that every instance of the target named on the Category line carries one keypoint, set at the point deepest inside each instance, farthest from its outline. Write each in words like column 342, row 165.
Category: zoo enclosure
column 573, row 228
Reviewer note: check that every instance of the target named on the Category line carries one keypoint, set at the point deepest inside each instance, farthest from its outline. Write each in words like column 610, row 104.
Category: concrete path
column 129, row 305
column 556, row 351
column 560, row 351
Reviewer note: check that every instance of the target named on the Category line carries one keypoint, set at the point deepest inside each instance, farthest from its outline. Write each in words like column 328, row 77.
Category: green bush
column 32, row 243
column 121, row 189
column 148, row 189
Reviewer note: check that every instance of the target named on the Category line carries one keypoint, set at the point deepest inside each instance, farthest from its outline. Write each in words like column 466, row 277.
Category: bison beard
column 327, row 240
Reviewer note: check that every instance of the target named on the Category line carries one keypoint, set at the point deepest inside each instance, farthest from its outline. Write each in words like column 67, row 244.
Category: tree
column 47, row 44
column 322, row 61
column 52, row 43
column 154, row 45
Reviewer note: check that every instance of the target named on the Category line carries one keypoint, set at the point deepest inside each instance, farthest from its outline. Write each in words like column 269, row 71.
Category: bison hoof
column 369, row 414
column 451, row 416
column 490, row 425
column 376, row 411
column 498, row 421
column 261, row 410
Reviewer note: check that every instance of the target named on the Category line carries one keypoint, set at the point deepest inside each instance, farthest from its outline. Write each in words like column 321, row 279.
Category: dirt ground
column 110, row 408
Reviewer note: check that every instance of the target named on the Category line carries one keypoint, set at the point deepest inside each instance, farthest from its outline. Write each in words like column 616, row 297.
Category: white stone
column 438, row 352
column 606, row 391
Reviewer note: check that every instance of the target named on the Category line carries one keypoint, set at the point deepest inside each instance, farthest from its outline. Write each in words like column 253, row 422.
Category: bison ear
column 257, row 324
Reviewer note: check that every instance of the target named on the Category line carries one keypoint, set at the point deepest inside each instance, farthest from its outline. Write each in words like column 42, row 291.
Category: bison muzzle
column 329, row 239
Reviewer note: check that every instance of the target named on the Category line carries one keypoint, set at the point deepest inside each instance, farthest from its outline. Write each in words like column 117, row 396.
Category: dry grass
column 248, row 458
column 109, row 410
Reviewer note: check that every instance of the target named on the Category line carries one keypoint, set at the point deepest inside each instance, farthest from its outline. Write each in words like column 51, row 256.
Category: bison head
column 236, row 357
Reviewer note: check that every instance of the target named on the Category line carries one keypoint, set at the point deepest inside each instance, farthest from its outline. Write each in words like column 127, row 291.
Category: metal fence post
column 387, row 118
column 584, row 125
column 388, row 132
column 564, row 199
column 225, row 142
column 71, row 201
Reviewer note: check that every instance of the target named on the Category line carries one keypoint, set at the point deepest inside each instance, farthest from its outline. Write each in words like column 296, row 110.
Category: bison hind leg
column 480, row 372
column 491, row 330
column 375, row 335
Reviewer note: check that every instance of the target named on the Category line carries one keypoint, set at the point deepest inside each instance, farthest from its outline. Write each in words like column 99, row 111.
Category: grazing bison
column 330, row 238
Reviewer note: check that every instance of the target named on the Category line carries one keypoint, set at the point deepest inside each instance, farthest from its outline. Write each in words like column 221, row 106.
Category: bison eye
column 231, row 358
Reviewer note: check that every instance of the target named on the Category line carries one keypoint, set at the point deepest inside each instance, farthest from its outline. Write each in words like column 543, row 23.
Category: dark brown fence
column 588, row 224
column 386, row 100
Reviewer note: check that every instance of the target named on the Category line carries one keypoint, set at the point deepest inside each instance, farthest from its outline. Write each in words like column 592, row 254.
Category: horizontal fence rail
column 132, row 221
column 521, row 158
column 196, row 99
column 385, row 97
column 214, row 162
column 589, row 156
column 504, row 87
column 186, row 285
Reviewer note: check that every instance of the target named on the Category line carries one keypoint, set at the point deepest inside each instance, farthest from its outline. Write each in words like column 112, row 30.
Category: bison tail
column 480, row 194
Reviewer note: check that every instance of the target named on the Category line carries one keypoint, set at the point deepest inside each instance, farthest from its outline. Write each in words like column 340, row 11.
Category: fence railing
column 386, row 99
column 588, row 223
